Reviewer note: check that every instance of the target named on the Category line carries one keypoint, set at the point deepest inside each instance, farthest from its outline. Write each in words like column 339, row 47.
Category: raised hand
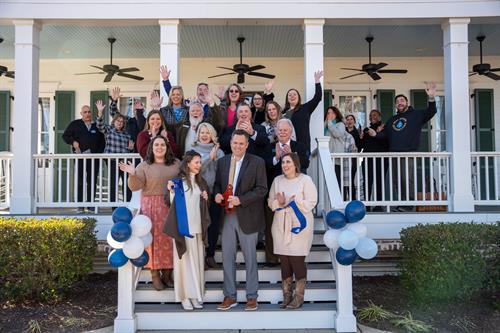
column 430, row 89
column 317, row 76
column 115, row 94
column 280, row 196
column 287, row 149
column 278, row 151
column 268, row 86
column 371, row 132
column 128, row 168
column 213, row 152
column 165, row 73
column 156, row 100
column 220, row 94
column 100, row 108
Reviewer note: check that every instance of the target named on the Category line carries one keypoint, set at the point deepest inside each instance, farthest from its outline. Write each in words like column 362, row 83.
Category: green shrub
column 41, row 258
column 447, row 262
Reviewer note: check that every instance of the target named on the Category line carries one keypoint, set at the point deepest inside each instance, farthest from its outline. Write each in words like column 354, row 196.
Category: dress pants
column 231, row 233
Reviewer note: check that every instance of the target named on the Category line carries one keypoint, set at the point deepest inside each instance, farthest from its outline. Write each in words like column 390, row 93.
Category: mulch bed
column 91, row 304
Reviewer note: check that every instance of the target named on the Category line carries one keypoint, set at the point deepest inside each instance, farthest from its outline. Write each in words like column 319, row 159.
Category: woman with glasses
column 259, row 102
column 232, row 97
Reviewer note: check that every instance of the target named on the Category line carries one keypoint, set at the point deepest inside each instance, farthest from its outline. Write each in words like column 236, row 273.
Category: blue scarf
column 180, row 208
column 299, row 215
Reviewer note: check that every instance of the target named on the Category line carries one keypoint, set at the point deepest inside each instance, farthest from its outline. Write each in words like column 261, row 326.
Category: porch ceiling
column 213, row 41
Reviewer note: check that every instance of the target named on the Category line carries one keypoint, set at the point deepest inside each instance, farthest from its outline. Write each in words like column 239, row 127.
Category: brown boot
column 298, row 299
column 155, row 278
column 286, row 286
column 167, row 277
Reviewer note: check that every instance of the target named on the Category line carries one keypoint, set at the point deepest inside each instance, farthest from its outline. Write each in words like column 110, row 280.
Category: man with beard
column 402, row 132
column 185, row 134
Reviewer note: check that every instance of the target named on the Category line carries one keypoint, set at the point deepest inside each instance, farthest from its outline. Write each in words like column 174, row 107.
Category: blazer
column 255, row 147
column 274, row 171
column 251, row 189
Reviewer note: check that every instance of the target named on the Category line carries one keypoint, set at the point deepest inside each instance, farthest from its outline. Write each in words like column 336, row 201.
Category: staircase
column 143, row 308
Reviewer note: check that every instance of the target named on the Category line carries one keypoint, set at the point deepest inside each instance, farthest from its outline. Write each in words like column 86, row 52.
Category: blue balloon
column 366, row 248
column 348, row 239
column 141, row 261
column 345, row 257
column 355, row 211
column 117, row 258
column 336, row 219
column 121, row 231
column 122, row 214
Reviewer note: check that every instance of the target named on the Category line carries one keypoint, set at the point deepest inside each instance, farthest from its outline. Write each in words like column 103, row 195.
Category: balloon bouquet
column 348, row 235
column 129, row 236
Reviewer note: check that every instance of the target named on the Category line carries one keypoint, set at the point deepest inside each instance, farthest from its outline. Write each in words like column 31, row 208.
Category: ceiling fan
column 110, row 70
column 373, row 69
column 484, row 69
column 4, row 70
column 241, row 69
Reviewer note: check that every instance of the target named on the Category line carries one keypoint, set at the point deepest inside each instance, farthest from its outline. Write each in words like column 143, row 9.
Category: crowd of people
column 240, row 170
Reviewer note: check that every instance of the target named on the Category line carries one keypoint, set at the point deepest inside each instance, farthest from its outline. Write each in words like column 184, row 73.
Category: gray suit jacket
column 251, row 189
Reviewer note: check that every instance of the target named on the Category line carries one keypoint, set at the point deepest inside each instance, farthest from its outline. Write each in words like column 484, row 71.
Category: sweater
column 208, row 166
column 152, row 178
column 89, row 139
column 144, row 138
column 372, row 144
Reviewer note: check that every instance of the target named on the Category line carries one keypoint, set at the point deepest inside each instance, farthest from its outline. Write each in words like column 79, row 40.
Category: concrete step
column 315, row 272
column 317, row 254
column 268, row 316
column 268, row 292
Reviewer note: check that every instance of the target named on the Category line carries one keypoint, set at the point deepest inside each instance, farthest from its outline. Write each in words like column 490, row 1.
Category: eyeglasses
column 234, row 91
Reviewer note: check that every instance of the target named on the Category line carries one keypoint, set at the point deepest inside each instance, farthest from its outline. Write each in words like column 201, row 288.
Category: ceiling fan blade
column 129, row 69
column 229, row 69
column 89, row 73
column 495, row 69
column 346, row 77
column 353, row 69
column 375, row 76
column 255, row 68
column 130, row 76
column 102, row 69
column 394, row 71
column 109, row 77
column 220, row 75
column 10, row 74
column 268, row 76
column 492, row 76
column 473, row 73
column 380, row 65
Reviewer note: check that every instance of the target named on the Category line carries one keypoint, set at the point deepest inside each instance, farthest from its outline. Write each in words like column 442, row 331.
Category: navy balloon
column 117, row 258
column 121, row 231
column 141, row 261
column 336, row 219
column 122, row 214
column 355, row 211
column 346, row 257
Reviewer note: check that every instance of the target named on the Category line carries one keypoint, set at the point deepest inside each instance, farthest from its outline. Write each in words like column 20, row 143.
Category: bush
column 42, row 258
column 447, row 262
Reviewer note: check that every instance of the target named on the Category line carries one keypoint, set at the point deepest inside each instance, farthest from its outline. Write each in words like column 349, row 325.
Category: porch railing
column 5, row 179
column 392, row 179
column 81, row 180
column 485, row 178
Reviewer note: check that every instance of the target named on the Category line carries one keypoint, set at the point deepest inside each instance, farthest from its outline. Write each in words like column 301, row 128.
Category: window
column 355, row 105
column 126, row 104
column 44, row 125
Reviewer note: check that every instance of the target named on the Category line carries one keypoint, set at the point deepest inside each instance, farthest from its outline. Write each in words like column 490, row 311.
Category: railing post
column 125, row 321
column 345, row 320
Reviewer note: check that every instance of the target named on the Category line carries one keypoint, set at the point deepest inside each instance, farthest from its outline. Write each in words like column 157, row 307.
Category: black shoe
column 261, row 246
column 210, row 263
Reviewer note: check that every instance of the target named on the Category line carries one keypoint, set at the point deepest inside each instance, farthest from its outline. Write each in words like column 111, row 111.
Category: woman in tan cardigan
column 292, row 190
column 151, row 176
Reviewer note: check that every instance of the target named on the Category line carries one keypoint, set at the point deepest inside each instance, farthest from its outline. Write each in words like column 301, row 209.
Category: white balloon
column 348, row 239
column 141, row 225
column 330, row 238
column 114, row 244
column 359, row 228
column 366, row 248
column 133, row 247
column 147, row 240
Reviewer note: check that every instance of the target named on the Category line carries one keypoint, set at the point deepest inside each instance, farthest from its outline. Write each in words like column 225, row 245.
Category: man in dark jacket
column 402, row 132
column 241, row 185
column 84, row 138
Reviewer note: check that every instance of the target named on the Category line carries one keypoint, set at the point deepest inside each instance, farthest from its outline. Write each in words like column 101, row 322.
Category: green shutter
column 65, row 113
column 385, row 103
column 103, row 96
column 418, row 99
column 4, row 120
column 327, row 98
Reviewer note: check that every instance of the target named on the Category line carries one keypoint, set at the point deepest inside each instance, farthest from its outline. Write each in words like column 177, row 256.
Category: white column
column 126, row 320
column 169, row 52
column 24, row 117
column 313, row 61
column 456, row 83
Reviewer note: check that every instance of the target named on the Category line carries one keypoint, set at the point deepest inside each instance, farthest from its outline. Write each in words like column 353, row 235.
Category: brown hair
column 278, row 108
column 295, row 159
column 151, row 113
column 287, row 103
column 184, row 170
column 338, row 115
column 240, row 132
column 169, row 155
column 179, row 88
column 116, row 117
column 226, row 94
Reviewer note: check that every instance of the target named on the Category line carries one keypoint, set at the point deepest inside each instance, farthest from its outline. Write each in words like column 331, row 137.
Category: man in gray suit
column 240, row 186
